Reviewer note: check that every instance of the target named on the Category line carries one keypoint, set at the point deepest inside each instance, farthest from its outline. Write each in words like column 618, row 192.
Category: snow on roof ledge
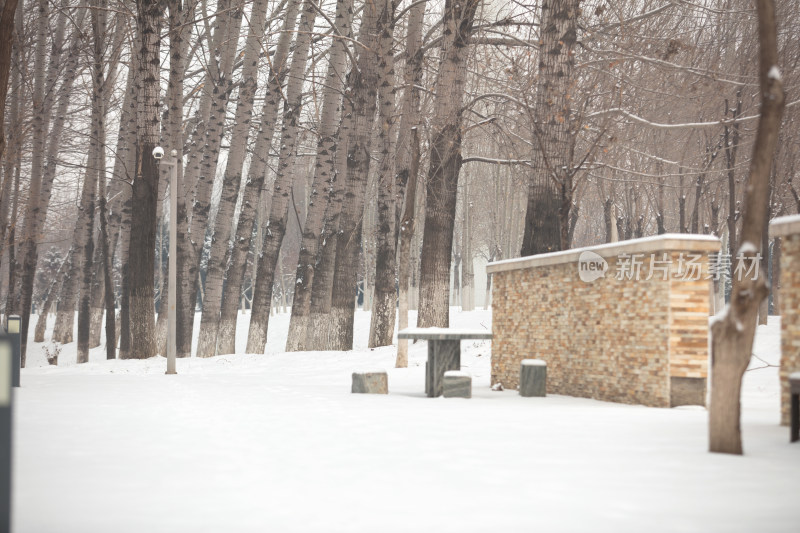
column 782, row 226
column 533, row 362
column 656, row 243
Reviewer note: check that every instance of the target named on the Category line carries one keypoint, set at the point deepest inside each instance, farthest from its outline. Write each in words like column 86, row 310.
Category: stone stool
column 370, row 382
column 533, row 378
column 457, row 384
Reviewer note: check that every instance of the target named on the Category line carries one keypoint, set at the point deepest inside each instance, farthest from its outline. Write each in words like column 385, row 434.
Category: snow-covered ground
column 276, row 442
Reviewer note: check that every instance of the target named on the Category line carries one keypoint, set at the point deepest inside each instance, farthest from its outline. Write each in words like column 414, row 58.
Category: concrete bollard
column 16, row 359
column 533, row 378
column 370, row 382
column 457, row 384
column 6, row 426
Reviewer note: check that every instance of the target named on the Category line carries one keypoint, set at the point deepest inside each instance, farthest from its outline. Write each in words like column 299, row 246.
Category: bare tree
column 237, row 266
column 408, row 160
column 219, row 255
column 7, row 16
column 732, row 335
column 359, row 104
column 145, row 185
column 384, row 307
column 323, row 181
column 282, row 188
column 445, row 164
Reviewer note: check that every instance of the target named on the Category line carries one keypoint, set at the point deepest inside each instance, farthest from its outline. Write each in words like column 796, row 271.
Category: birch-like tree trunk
column 7, row 16
column 102, row 263
column 732, row 335
column 35, row 211
column 550, row 189
column 141, row 255
column 219, row 254
column 404, row 257
column 51, row 296
column 467, row 269
column 360, row 102
column 94, row 171
column 408, row 159
column 65, row 320
column 445, row 164
column 320, row 333
column 384, row 302
column 323, row 181
column 120, row 196
column 11, row 159
column 237, row 266
column 201, row 168
column 282, row 189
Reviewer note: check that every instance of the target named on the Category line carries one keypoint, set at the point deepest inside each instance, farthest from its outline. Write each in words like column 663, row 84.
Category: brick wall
column 788, row 229
column 632, row 340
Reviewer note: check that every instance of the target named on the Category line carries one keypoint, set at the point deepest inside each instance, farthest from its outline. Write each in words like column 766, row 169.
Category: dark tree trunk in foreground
column 445, row 164
column 732, row 335
column 550, row 187
column 141, row 257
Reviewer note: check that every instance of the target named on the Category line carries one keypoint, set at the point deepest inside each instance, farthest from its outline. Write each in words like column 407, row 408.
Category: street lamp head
column 158, row 153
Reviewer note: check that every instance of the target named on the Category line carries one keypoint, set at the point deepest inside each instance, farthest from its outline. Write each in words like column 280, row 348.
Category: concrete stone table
column 444, row 352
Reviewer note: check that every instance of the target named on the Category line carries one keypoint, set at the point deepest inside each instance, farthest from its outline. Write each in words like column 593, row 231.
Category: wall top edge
column 678, row 242
column 782, row 226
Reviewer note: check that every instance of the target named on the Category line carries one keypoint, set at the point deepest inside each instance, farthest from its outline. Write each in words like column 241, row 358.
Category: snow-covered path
column 276, row 442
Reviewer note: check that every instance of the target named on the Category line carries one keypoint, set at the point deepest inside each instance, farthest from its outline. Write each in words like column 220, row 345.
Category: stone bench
column 444, row 352
column 794, row 414
column 533, row 378
column 457, row 384
column 376, row 382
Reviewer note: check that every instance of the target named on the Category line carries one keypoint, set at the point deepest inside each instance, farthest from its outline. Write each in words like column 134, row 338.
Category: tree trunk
column 731, row 141
column 35, row 211
column 52, row 294
column 12, row 163
column 202, row 165
column 121, row 198
column 44, row 160
column 384, row 303
column 360, row 103
column 237, row 266
column 467, row 269
column 406, row 236
column 6, row 44
column 732, row 336
column 219, row 254
column 408, row 156
column 282, row 189
column 445, row 164
column 324, row 176
column 94, row 172
column 145, row 185
column 550, row 188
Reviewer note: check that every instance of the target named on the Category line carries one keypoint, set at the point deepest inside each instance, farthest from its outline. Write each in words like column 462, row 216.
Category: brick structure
column 788, row 229
column 640, row 339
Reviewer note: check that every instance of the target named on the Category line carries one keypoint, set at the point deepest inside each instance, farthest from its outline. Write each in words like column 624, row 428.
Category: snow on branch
column 661, row 125
column 479, row 159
